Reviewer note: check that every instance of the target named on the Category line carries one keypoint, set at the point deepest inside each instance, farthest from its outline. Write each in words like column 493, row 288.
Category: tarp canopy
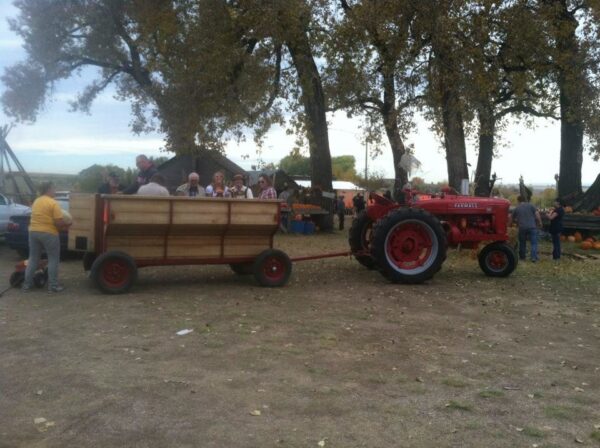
column 336, row 184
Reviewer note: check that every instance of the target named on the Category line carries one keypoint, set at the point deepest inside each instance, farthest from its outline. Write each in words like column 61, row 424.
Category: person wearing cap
column 112, row 185
column 192, row 188
column 218, row 189
column 239, row 190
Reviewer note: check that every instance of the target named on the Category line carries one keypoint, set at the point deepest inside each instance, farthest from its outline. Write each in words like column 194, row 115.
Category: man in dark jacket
column 340, row 208
column 147, row 170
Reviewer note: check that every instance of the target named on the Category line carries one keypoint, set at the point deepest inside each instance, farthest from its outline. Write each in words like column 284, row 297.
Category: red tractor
column 407, row 241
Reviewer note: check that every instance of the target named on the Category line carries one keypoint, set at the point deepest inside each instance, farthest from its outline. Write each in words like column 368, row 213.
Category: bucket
column 297, row 226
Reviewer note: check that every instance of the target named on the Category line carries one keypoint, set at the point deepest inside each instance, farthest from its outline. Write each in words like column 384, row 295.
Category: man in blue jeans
column 528, row 220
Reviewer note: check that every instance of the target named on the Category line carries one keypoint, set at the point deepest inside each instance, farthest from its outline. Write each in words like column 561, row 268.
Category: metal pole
column 366, row 160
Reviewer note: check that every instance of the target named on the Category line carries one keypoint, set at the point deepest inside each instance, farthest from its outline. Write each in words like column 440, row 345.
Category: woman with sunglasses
column 266, row 189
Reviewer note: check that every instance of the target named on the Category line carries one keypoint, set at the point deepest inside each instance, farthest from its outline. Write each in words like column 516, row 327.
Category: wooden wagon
column 120, row 234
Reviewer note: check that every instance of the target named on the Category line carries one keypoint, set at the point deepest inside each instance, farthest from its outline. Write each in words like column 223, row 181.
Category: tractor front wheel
column 114, row 272
column 409, row 245
column 497, row 259
column 359, row 238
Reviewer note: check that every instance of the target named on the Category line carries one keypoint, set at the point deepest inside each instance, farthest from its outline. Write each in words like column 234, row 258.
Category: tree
column 159, row 56
column 344, row 168
column 574, row 72
column 374, row 64
column 90, row 178
column 295, row 165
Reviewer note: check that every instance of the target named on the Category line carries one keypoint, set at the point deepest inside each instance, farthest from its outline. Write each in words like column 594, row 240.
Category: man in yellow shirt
column 46, row 221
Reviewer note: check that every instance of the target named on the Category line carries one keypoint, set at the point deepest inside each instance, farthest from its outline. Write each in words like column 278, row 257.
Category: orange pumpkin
column 597, row 245
column 571, row 239
column 563, row 238
column 568, row 209
column 578, row 237
column 586, row 245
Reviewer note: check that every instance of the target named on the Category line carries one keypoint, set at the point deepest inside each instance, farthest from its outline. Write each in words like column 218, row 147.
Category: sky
column 64, row 142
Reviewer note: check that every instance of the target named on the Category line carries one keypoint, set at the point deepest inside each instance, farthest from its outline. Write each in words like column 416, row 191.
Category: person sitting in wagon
column 239, row 190
column 266, row 189
column 192, row 188
column 218, row 189
column 156, row 187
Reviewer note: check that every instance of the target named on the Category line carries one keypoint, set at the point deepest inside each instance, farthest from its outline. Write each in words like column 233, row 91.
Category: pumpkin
column 563, row 238
column 586, row 245
column 571, row 239
column 590, row 239
column 597, row 245
column 568, row 209
column 578, row 237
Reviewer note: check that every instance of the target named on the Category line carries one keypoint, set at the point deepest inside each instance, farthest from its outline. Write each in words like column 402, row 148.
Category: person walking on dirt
column 47, row 219
column 556, row 227
column 528, row 220
column 359, row 203
column 341, row 211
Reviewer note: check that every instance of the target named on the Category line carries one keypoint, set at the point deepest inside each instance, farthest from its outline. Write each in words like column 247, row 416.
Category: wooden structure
column 121, row 233
column 206, row 163
column 15, row 183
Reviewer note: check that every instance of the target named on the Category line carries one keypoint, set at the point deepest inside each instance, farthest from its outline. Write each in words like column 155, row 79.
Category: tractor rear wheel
column 497, row 259
column 409, row 245
column 359, row 238
column 114, row 272
column 272, row 268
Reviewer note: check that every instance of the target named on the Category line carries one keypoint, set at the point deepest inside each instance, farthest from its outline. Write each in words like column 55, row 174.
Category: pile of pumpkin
column 588, row 243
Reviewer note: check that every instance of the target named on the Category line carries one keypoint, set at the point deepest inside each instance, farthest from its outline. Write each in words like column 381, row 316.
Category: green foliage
column 343, row 167
column 92, row 177
column 295, row 165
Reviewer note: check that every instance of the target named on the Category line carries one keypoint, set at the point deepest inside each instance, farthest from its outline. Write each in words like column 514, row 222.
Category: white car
column 7, row 209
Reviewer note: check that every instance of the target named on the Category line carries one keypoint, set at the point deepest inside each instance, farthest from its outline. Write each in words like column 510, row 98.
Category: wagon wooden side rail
column 121, row 233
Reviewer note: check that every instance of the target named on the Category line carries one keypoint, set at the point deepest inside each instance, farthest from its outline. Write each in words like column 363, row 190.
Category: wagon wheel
column 114, row 272
column 409, row 245
column 359, row 237
column 272, row 268
column 242, row 268
column 498, row 260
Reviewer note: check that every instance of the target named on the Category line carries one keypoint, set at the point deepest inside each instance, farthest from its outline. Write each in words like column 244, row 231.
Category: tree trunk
column 571, row 82
column 390, row 122
column 313, row 100
column 483, row 173
column 454, row 139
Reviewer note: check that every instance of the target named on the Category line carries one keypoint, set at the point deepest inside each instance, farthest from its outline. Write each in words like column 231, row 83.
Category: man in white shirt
column 156, row 187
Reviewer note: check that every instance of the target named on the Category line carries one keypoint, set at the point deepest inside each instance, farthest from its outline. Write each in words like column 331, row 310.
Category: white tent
column 336, row 184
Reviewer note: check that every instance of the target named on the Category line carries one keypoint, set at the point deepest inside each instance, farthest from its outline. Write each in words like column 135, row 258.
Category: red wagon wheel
column 272, row 268
column 114, row 272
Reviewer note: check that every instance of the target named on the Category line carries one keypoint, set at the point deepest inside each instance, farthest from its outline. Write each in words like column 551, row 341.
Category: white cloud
column 93, row 145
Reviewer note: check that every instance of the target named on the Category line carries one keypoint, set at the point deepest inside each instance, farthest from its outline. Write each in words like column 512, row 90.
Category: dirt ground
column 339, row 358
